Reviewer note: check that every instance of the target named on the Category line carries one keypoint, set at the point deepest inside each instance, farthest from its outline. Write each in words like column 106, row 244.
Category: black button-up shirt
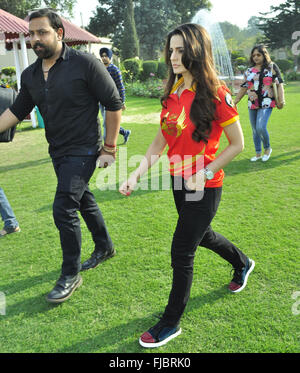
column 68, row 101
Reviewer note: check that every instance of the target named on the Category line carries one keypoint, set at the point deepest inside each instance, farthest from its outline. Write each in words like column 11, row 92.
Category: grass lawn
column 260, row 212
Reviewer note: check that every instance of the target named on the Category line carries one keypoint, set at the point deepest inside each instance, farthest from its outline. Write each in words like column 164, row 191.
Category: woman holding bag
column 263, row 82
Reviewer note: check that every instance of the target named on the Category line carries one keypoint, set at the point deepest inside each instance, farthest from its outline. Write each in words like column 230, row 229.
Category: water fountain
column 220, row 51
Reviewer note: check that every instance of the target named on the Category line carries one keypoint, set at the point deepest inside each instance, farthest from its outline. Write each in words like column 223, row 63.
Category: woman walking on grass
column 259, row 78
column 197, row 108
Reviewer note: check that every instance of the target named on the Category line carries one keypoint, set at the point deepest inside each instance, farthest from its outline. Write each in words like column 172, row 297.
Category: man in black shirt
column 67, row 86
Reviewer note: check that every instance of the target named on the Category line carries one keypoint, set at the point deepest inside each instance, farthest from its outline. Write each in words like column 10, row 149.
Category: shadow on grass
column 24, row 284
column 111, row 195
column 23, row 165
column 209, row 298
column 117, row 336
column 236, row 167
column 102, row 197
column 31, row 305
column 244, row 166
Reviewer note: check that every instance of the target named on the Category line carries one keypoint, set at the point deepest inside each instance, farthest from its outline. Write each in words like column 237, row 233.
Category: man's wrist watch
column 208, row 173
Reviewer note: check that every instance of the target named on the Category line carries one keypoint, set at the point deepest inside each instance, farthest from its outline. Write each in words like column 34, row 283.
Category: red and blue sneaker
column 240, row 277
column 159, row 335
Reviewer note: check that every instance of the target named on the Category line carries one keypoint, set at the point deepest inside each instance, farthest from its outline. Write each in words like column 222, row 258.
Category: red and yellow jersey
column 186, row 155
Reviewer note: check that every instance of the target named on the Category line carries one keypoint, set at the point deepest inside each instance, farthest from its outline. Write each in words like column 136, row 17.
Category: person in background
column 197, row 108
column 259, row 78
column 106, row 57
column 11, row 224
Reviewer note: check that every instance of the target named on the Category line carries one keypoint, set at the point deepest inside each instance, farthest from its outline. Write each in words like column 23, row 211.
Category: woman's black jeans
column 73, row 195
column 193, row 229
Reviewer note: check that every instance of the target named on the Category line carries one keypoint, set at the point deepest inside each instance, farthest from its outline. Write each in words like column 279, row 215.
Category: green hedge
column 284, row 65
column 162, row 70
column 293, row 76
column 8, row 78
column 150, row 88
column 149, row 70
column 131, row 69
column 8, row 71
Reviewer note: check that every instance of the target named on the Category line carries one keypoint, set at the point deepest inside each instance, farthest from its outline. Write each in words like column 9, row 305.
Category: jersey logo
column 174, row 125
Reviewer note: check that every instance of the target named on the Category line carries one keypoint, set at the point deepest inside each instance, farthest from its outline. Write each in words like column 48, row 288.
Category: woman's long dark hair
column 262, row 50
column 197, row 58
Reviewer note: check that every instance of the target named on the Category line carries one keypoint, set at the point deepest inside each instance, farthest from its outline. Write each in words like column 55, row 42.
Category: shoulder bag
column 7, row 98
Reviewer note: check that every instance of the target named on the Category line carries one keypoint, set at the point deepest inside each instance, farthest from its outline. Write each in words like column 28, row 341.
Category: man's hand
column 105, row 159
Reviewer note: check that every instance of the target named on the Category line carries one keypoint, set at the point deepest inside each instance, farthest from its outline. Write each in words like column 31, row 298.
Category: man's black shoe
column 64, row 288
column 96, row 258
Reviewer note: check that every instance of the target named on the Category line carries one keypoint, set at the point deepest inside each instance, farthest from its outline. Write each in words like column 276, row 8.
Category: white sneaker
column 266, row 156
column 254, row 159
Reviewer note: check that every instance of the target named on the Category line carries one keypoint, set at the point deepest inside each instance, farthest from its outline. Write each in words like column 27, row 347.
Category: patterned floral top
column 259, row 86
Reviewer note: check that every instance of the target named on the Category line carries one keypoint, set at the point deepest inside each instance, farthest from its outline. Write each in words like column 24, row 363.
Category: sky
column 236, row 12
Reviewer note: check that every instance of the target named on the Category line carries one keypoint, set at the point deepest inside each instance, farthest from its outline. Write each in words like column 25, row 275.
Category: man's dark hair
column 54, row 18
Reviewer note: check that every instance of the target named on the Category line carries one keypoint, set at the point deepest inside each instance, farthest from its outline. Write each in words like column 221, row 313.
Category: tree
column 154, row 19
column 282, row 21
column 253, row 26
column 108, row 18
column 230, row 30
column 188, row 8
column 130, row 42
column 65, row 7
column 20, row 8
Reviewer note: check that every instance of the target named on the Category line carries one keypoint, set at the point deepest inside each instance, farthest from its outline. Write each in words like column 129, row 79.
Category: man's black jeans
column 193, row 229
column 73, row 195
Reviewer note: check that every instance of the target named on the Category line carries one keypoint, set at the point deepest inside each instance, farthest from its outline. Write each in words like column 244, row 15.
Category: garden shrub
column 293, row 76
column 149, row 70
column 150, row 88
column 9, row 71
column 162, row 70
column 132, row 69
column 7, row 77
column 284, row 65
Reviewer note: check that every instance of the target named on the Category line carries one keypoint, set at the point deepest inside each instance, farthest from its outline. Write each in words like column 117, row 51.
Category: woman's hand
column 280, row 105
column 128, row 186
column 197, row 181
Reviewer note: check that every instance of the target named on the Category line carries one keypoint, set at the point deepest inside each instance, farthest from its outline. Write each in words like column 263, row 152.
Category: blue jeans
column 103, row 113
column 6, row 212
column 259, row 120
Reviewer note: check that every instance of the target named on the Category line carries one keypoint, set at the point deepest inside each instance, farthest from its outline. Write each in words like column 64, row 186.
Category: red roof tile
column 77, row 35
column 11, row 25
